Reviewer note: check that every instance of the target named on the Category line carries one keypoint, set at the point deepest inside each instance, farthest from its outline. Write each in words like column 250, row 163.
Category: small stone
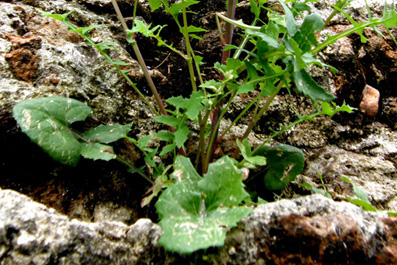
column 370, row 102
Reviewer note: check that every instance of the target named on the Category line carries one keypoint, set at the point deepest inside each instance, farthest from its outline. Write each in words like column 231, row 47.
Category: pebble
column 370, row 102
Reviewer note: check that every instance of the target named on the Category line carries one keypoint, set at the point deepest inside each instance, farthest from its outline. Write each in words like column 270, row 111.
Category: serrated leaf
column 245, row 88
column 188, row 225
column 46, row 121
column 107, row 133
column 306, row 85
column 192, row 105
column 97, row 151
column 181, row 135
column 222, row 184
column 165, row 136
column 284, row 162
column 168, row 120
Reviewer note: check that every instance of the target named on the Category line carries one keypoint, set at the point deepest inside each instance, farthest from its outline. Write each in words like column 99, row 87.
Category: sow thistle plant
column 203, row 198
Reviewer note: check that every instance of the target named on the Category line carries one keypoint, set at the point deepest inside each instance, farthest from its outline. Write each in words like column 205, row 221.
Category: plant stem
column 141, row 61
column 144, row 68
column 231, row 10
column 264, row 108
column 333, row 14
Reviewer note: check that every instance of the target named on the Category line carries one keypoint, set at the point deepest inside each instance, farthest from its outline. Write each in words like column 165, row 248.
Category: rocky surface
column 326, row 232
column 39, row 57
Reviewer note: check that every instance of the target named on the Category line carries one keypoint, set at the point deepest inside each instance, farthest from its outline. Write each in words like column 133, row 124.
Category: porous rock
column 310, row 229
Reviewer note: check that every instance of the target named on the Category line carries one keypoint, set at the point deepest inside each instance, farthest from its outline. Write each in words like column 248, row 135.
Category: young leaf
column 107, row 133
column 46, row 121
column 192, row 106
column 285, row 162
column 97, row 151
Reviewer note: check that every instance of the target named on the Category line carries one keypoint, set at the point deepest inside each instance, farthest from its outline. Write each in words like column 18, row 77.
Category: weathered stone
column 310, row 229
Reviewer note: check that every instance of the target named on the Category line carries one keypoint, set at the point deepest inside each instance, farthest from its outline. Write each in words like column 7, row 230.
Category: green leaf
column 306, row 85
column 318, row 191
column 46, row 121
column 168, row 148
column 290, row 23
column 188, row 225
column 245, row 149
column 245, row 88
column 263, row 36
column 107, row 133
column 97, row 151
column 176, row 8
column 186, row 235
column 154, row 4
column 62, row 18
column 364, row 204
column 165, row 136
column 168, row 120
column 222, row 184
column 184, row 172
column 192, row 106
column 144, row 141
column 359, row 192
column 306, row 36
column 85, row 30
column 212, row 84
column 285, row 162
column 181, row 135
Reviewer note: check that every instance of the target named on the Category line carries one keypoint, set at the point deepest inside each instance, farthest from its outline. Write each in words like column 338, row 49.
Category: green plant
column 360, row 200
column 193, row 207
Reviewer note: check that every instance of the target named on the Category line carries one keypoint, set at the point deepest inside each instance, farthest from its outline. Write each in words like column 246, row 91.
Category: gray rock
column 300, row 231
column 31, row 233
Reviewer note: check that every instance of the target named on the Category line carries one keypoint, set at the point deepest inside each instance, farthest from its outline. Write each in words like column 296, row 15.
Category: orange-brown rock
column 370, row 102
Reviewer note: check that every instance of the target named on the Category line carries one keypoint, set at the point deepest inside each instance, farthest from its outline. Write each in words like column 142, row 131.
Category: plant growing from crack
column 196, row 210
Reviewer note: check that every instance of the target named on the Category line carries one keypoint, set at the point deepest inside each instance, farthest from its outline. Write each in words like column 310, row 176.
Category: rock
column 370, row 102
column 310, row 229
column 31, row 233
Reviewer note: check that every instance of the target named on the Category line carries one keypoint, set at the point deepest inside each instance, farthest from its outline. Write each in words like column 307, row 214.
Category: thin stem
column 128, row 164
column 264, row 108
column 213, row 138
column 141, row 61
column 188, row 47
